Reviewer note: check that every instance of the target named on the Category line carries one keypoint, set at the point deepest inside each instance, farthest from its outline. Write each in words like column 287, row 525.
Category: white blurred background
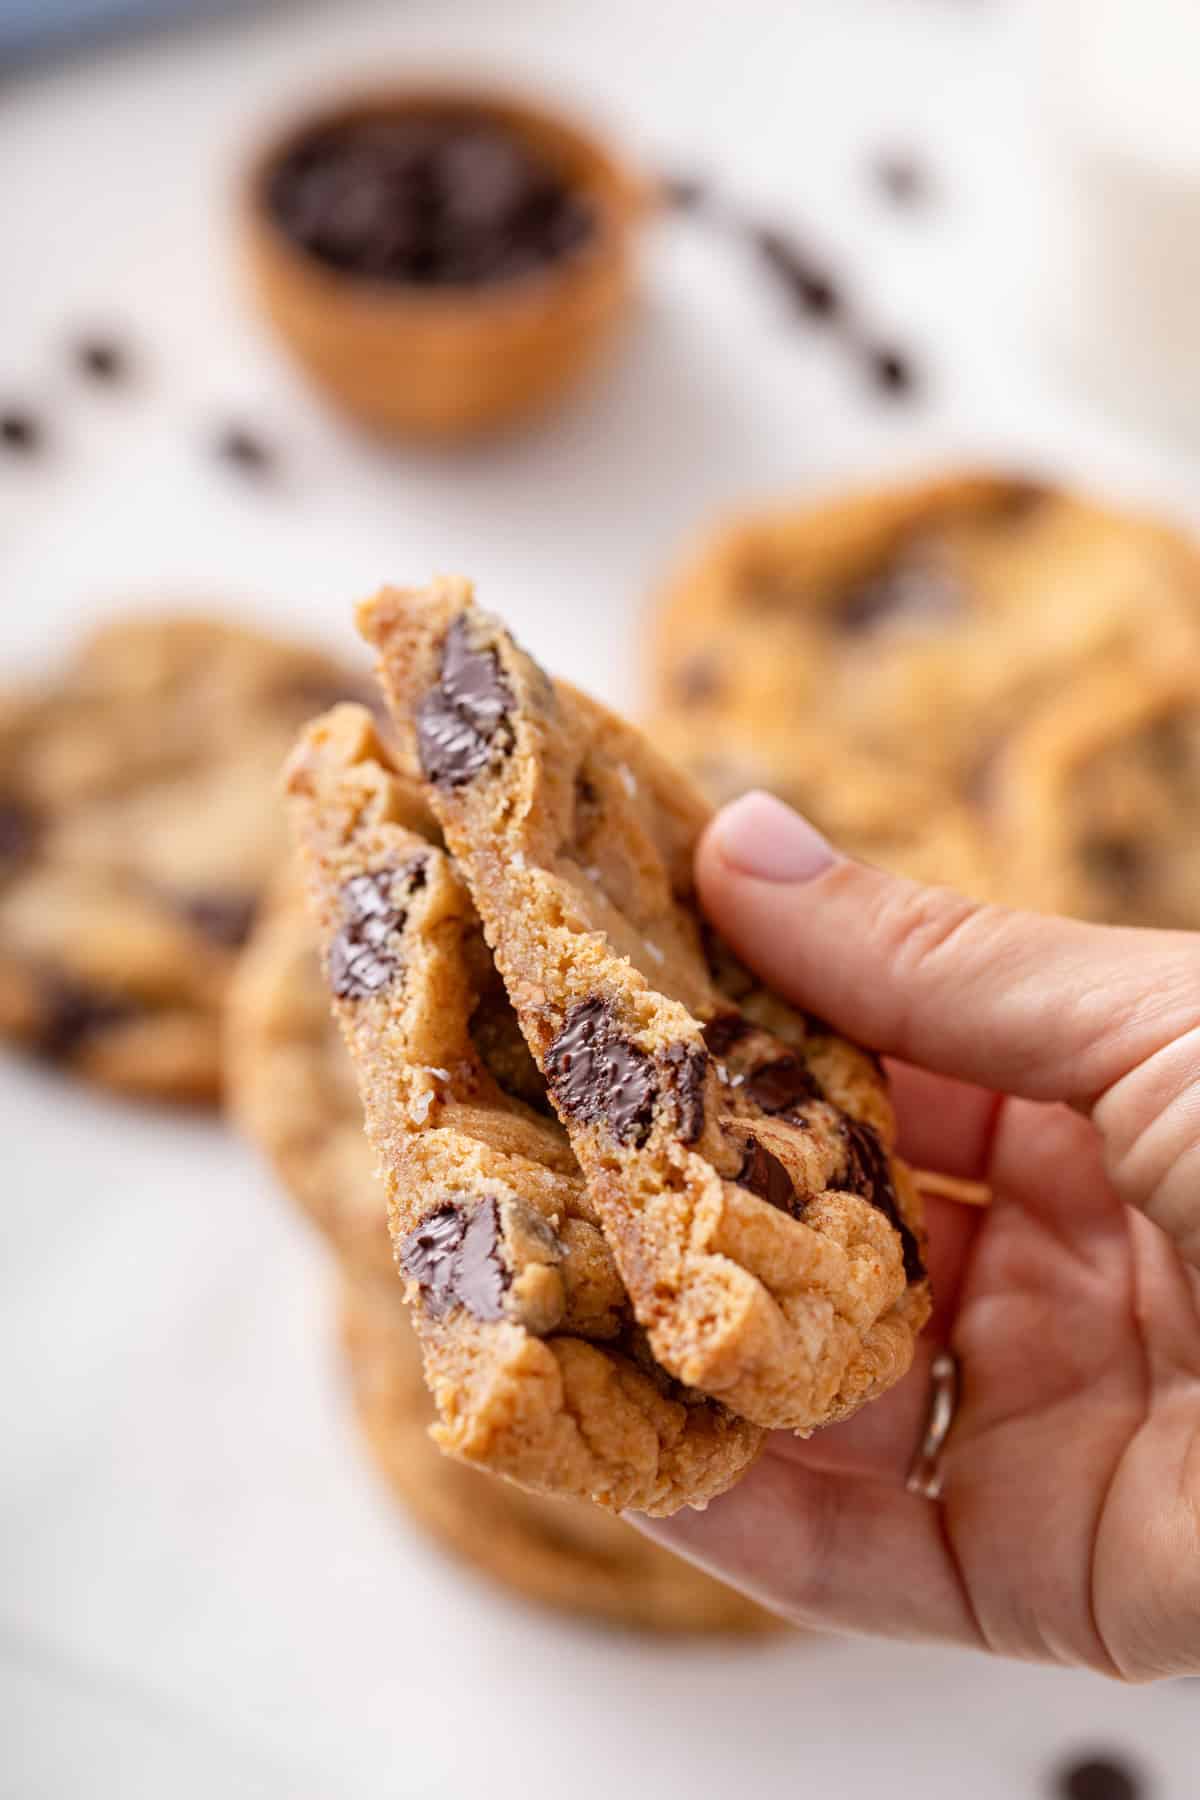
column 202, row 1590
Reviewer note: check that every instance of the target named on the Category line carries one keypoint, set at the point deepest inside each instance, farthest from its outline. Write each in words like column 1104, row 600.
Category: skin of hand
column 1060, row 1062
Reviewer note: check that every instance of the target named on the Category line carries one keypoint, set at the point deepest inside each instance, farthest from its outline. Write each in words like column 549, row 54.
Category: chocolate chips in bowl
column 441, row 263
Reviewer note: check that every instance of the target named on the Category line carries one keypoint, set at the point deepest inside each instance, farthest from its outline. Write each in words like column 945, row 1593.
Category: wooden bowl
column 448, row 364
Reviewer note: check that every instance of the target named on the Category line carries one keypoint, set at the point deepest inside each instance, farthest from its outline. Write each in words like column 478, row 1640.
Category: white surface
column 1122, row 284
column 201, row 1589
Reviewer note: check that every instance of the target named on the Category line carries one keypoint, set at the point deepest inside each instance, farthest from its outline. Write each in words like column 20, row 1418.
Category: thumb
column 1043, row 1007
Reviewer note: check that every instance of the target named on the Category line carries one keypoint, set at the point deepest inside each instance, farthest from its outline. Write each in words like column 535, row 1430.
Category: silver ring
column 925, row 1475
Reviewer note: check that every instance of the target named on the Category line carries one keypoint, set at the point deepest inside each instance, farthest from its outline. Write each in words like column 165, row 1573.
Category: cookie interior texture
column 896, row 662
column 293, row 1091
column 737, row 1153
column 535, row 1360
column 139, row 823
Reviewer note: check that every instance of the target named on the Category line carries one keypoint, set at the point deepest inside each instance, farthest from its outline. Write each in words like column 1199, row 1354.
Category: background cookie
column 139, row 822
column 869, row 659
column 293, row 1089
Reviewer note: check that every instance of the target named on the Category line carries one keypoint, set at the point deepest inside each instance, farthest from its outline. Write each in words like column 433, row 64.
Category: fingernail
column 760, row 836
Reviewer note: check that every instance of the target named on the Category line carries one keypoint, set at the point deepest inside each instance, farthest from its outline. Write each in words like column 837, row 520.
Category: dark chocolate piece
column 868, row 1175
column 440, row 200
column 1099, row 1778
column 18, row 832
column 464, row 721
column 244, row 450
column 20, row 430
column 685, row 1065
column 225, row 918
column 598, row 1076
column 72, row 1014
column 764, row 1175
column 780, row 1085
column 901, row 178
column 890, row 370
column 456, row 1258
column 101, row 359
column 911, row 589
column 808, row 286
column 726, row 1029
column 698, row 678
column 363, row 958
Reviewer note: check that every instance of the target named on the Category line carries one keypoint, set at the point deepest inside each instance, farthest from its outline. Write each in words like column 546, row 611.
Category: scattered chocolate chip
column 1099, row 1778
column 455, row 1257
column 685, row 1065
column 225, row 918
column 764, row 1175
column 20, row 431
column 101, row 359
column 243, row 450
column 867, row 1174
column 72, row 1014
column 778, row 1086
column 437, row 200
column 362, row 958
column 464, row 720
column 698, row 678
column 890, row 370
column 912, row 589
column 901, row 178
column 685, row 193
column 18, row 832
column 725, row 1030
column 599, row 1077
column 810, row 288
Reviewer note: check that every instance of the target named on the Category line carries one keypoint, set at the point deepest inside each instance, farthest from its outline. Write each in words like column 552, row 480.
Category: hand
column 1060, row 1062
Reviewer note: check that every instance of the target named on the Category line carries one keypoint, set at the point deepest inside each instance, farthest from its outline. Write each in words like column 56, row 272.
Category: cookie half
column 292, row 1086
column 737, row 1154
column 535, row 1360
column 139, row 824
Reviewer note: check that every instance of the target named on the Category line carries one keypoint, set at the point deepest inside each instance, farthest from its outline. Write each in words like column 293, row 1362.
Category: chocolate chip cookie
column 737, row 1154
column 536, row 1363
column 869, row 659
column 292, row 1088
column 139, row 820
column 1094, row 804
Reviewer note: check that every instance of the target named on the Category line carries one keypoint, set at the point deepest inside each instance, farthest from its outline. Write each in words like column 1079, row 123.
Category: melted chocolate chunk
column 598, row 1076
column 911, row 590
column 362, row 957
column 725, row 1030
column 18, row 831
column 868, row 1175
column 465, row 718
column 782, row 1084
column 764, row 1175
column 1119, row 863
column 685, row 1065
column 225, row 918
column 1099, row 1778
column 72, row 1014
column 698, row 678
column 456, row 1258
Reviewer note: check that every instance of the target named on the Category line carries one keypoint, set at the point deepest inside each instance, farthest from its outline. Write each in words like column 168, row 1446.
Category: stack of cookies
column 980, row 681
column 152, row 941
